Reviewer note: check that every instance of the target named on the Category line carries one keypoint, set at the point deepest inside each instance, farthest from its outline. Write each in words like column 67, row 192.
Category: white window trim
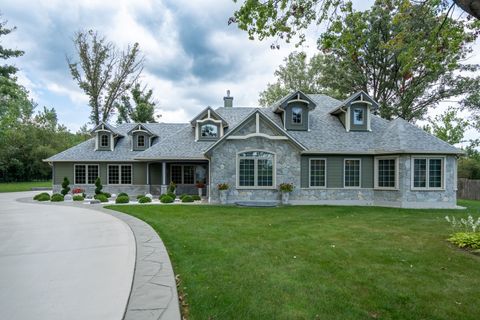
column 354, row 118
column 182, row 173
column 359, row 173
column 119, row 174
column 144, row 141
column 427, row 175
column 86, row 172
column 310, row 174
column 301, row 116
column 376, row 175
column 255, row 179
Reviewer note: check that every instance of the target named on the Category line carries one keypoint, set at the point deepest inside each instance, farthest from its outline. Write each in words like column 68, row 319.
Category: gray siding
column 365, row 115
column 335, row 167
column 289, row 125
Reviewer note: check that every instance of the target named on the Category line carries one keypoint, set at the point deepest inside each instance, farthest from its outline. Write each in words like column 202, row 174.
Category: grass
column 317, row 262
column 23, row 186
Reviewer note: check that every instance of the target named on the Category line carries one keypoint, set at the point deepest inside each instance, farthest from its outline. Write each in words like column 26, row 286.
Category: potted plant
column 200, row 186
column 286, row 189
column 223, row 189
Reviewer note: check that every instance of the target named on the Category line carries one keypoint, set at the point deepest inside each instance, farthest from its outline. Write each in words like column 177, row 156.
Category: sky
column 192, row 55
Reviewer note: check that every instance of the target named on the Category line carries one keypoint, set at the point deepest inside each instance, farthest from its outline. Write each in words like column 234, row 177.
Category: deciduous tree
column 142, row 110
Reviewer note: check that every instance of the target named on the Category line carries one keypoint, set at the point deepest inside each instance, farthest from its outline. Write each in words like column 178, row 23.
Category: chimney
column 228, row 101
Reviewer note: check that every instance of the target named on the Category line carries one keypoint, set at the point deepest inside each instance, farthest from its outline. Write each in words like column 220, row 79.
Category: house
column 334, row 152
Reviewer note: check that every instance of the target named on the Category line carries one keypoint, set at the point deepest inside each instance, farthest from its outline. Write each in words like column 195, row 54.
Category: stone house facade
column 334, row 152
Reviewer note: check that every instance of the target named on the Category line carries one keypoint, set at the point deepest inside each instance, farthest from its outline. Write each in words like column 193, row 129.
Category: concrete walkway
column 60, row 262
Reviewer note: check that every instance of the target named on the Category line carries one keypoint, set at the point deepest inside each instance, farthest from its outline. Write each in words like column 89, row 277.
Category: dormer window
column 209, row 131
column 141, row 141
column 358, row 116
column 104, row 140
column 297, row 115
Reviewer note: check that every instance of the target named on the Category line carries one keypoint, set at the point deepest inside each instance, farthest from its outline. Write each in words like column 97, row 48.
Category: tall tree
column 448, row 126
column 143, row 108
column 7, row 70
column 287, row 19
column 104, row 72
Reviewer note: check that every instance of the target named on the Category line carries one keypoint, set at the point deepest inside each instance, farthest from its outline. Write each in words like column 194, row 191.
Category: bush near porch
column 317, row 262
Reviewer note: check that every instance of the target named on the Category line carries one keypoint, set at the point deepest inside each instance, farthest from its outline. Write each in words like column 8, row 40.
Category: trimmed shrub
column 144, row 200
column 165, row 198
column 65, row 187
column 101, row 197
column 171, row 187
column 140, row 196
column 196, row 197
column 42, row 197
column 98, row 185
column 57, row 197
column 183, row 195
column 107, row 194
column 172, row 195
column 122, row 194
column 78, row 198
column 187, row 198
column 122, row 199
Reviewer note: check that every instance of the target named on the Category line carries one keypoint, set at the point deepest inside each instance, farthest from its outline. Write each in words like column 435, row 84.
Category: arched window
column 297, row 115
column 104, row 140
column 141, row 141
column 209, row 130
column 256, row 169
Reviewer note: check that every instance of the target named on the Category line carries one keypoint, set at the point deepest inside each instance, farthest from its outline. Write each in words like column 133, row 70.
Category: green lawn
column 317, row 262
column 23, row 186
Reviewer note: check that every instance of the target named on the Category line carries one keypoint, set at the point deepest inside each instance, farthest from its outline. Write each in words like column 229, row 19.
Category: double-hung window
column 318, row 172
column 352, row 173
column 119, row 174
column 428, row 173
column 256, row 169
column 85, row 173
column 182, row 174
column 386, row 173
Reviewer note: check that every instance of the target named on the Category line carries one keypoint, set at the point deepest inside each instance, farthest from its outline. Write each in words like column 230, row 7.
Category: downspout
column 209, row 181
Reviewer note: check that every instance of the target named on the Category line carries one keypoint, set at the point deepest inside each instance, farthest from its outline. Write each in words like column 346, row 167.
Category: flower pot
column 223, row 196
column 200, row 192
column 285, row 197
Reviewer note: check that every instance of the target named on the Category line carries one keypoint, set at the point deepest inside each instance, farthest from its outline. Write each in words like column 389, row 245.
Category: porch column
column 164, row 178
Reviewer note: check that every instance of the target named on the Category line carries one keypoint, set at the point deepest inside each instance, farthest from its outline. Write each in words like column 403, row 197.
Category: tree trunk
column 472, row 7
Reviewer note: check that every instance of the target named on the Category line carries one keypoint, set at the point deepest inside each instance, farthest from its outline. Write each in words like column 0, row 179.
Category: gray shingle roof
column 326, row 135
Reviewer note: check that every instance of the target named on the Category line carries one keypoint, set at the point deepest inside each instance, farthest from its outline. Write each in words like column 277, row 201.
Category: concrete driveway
column 60, row 262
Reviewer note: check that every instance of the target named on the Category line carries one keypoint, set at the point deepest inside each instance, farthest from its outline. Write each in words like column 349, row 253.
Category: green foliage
column 107, row 194
column 140, row 196
column 183, row 195
column 65, row 187
column 98, row 186
column 122, row 199
column 171, row 187
column 469, row 224
column 144, row 200
column 172, row 195
column 223, row 186
column 143, row 108
column 8, row 71
column 469, row 168
column 102, row 197
column 466, row 240
column 286, row 187
column 121, row 194
column 44, row 196
column 187, row 198
column 57, row 197
column 165, row 198
column 103, row 72
column 448, row 126
column 78, row 198
column 196, row 197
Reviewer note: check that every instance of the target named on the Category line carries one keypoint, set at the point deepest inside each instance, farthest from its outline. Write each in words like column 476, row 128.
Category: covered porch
column 186, row 174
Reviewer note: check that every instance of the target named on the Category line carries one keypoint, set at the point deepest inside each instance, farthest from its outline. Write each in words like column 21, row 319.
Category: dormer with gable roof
column 105, row 137
column 208, row 125
column 294, row 110
column 141, row 137
column 356, row 111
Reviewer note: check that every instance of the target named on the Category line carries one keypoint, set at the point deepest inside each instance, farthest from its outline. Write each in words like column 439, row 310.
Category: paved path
column 60, row 262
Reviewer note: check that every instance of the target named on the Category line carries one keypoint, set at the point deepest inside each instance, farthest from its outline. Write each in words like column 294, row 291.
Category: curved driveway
column 59, row 262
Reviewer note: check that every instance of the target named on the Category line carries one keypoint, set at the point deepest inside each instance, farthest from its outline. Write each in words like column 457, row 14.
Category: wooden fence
column 468, row 189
